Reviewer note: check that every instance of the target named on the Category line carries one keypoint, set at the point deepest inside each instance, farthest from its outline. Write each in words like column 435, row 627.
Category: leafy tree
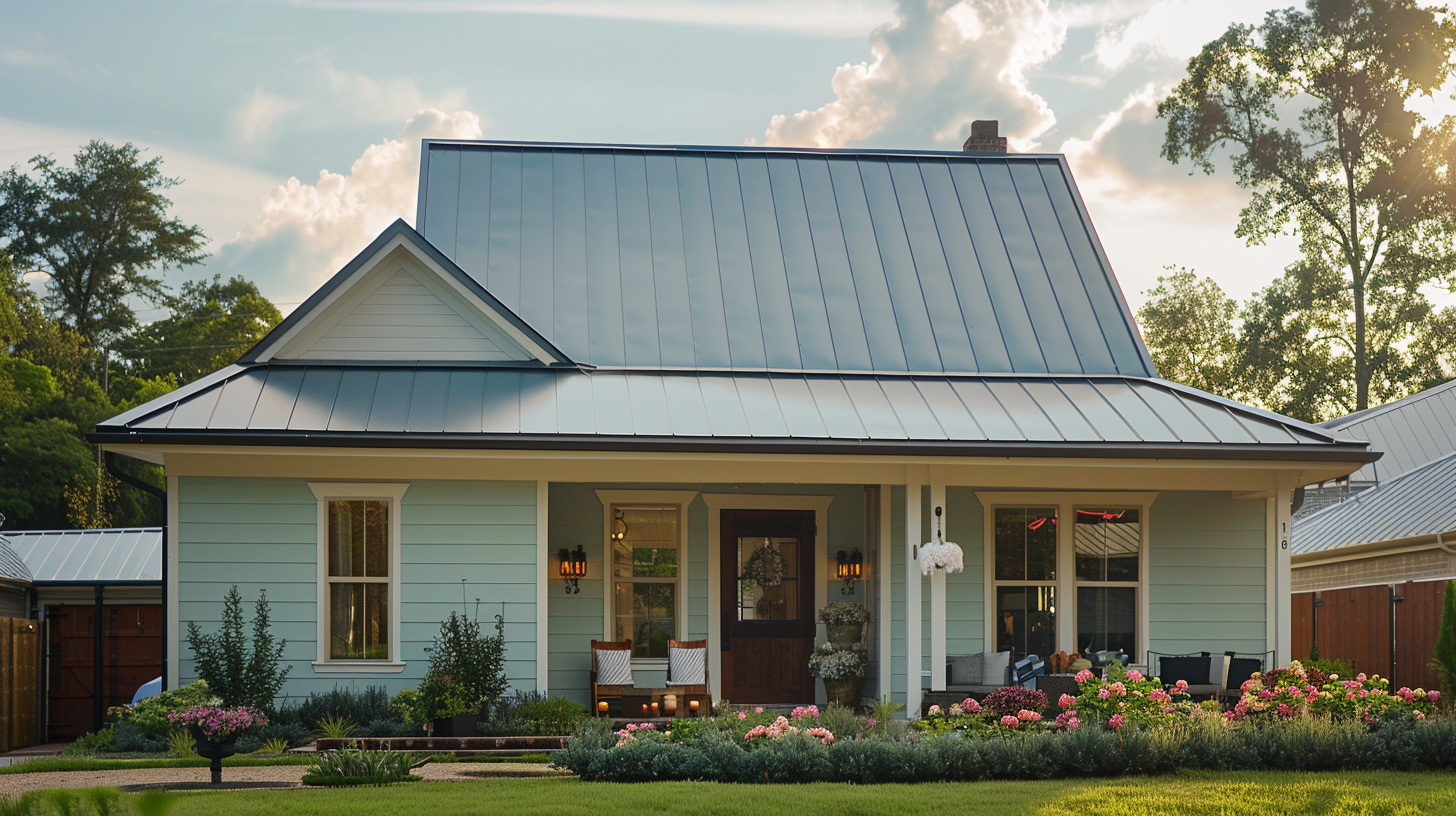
column 1188, row 323
column 97, row 229
column 38, row 458
column 1365, row 183
column 1446, row 639
column 235, row 673
column 467, row 669
column 211, row 325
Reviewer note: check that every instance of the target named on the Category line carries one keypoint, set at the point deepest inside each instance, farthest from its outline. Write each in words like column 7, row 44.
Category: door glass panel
column 1106, row 619
column 645, row 613
column 1107, row 543
column 1026, row 620
column 768, row 579
column 1026, row 544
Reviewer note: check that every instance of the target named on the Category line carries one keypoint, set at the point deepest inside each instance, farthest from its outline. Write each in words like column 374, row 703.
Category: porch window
column 1108, row 544
column 646, row 578
column 1026, row 580
column 358, row 579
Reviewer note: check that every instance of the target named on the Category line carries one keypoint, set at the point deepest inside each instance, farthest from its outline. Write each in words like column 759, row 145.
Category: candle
column 669, row 704
column 654, row 709
column 693, row 706
column 644, row 708
column 602, row 706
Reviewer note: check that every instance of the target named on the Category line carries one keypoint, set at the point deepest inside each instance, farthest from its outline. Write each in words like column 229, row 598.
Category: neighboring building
column 97, row 597
column 15, row 584
column 666, row 357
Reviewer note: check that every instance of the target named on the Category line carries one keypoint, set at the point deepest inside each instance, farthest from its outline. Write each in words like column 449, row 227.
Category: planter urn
column 844, row 635
column 214, row 750
column 843, row 690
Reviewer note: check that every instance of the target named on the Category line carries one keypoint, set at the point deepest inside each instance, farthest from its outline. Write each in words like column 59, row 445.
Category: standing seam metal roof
column 11, row 565
column 90, row 556
column 735, row 258
column 1411, row 431
column 1416, row 503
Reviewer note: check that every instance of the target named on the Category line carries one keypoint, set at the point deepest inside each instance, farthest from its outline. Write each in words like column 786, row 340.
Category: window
column 645, row 576
column 1026, row 580
column 359, row 562
column 1108, row 544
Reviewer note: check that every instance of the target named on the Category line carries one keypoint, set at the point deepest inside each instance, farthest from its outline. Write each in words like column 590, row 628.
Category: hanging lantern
column 939, row 553
column 619, row 528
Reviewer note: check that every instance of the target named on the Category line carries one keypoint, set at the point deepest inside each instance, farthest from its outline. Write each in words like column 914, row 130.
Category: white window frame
column 645, row 498
column 325, row 492
column 1066, row 583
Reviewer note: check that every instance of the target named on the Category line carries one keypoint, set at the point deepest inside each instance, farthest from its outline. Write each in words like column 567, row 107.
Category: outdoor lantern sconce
column 573, row 568
column 850, row 568
column 619, row 528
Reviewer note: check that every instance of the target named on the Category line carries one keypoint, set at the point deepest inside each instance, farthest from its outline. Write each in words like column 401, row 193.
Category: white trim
column 174, row 583
column 1283, row 602
column 681, row 498
column 937, row 592
column 543, row 576
column 1271, row 548
column 1066, row 584
column 914, row 614
column 887, row 609
column 357, row 667
column 717, row 502
column 370, row 491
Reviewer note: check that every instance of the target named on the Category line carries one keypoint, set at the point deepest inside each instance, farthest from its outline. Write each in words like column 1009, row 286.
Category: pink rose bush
column 1296, row 691
column 216, row 723
column 1008, row 709
column 1133, row 698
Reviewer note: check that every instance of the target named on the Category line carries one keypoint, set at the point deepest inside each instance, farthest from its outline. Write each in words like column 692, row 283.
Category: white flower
column 945, row 555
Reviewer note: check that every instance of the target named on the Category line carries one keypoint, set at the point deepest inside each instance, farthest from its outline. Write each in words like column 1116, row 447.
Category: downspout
column 1441, row 542
column 161, row 496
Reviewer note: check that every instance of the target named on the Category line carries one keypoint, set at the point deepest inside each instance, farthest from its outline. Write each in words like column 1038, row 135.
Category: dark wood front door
column 768, row 605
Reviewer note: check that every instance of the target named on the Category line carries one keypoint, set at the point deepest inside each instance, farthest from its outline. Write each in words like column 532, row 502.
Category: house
column 1369, row 572
column 93, row 599
column 661, row 361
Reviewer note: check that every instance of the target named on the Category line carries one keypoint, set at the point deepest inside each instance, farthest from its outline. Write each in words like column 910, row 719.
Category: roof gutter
column 161, row 496
column 1370, row 549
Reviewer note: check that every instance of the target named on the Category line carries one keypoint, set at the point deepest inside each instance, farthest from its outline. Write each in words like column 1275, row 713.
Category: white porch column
column 1280, row 614
column 937, row 592
column 883, row 573
column 543, row 579
column 912, row 600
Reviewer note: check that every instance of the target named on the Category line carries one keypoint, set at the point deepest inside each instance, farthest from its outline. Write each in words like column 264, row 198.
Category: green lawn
column 1256, row 794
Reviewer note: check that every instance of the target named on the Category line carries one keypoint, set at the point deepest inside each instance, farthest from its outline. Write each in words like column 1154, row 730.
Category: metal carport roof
column 122, row 555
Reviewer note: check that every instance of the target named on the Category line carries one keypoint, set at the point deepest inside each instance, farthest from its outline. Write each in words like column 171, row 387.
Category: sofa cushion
column 996, row 669
column 1193, row 670
column 965, row 670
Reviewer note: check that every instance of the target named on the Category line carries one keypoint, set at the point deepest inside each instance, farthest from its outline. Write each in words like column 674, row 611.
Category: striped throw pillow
column 687, row 667
column 614, row 667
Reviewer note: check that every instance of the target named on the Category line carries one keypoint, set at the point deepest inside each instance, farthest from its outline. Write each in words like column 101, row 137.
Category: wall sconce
column 573, row 568
column 850, row 568
column 619, row 528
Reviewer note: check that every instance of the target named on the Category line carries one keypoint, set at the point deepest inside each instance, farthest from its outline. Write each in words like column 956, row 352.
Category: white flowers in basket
column 940, row 554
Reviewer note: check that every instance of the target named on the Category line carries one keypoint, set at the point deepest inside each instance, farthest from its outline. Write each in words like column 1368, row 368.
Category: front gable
column 397, row 302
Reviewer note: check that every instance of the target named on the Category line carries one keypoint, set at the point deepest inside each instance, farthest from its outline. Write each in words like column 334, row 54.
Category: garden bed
column 460, row 746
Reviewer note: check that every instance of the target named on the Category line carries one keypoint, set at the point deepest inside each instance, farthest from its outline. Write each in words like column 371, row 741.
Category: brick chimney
column 984, row 139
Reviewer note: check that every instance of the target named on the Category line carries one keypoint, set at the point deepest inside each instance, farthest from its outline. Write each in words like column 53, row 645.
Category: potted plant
column 842, row 671
column 215, row 731
column 844, row 623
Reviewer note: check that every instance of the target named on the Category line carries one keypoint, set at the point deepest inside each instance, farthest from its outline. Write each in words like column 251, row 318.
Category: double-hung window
column 646, row 573
column 1108, row 543
column 1025, row 580
column 359, row 563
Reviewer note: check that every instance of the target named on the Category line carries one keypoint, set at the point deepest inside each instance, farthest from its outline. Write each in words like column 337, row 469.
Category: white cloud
column 22, row 58
column 827, row 17
column 256, row 121
column 307, row 232
column 1175, row 29
column 940, row 66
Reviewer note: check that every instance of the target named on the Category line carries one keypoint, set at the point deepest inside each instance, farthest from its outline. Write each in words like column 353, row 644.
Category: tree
column 97, row 229
column 1188, row 323
column 1446, row 638
column 236, row 674
column 1365, row 183
column 211, row 325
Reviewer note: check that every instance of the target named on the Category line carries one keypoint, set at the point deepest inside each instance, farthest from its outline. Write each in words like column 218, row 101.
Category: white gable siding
column 408, row 317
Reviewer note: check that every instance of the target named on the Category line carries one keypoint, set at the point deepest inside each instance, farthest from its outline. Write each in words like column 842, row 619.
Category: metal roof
column 492, row 407
column 1411, row 432
column 90, row 556
column 1421, row 502
column 11, row 566
column 785, row 259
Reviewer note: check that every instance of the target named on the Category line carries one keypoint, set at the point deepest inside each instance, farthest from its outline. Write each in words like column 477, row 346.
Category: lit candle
column 693, row 706
column 644, row 708
column 602, row 706
column 654, row 709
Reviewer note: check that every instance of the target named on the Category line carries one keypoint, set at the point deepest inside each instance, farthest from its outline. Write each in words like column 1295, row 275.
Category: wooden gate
column 18, row 680
column 131, row 654
column 1356, row 625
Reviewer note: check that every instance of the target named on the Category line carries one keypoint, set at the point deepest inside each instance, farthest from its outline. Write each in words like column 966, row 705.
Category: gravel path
column 12, row 785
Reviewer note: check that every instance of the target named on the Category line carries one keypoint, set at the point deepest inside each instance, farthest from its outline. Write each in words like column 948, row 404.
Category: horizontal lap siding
column 1207, row 571
column 965, row 592
column 261, row 535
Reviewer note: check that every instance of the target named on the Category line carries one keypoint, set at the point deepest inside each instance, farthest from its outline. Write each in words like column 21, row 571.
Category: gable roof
column 313, row 329
column 1415, row 504
column 118, row 555
column 754, row 259
column 1411, row 432
column 11, row 566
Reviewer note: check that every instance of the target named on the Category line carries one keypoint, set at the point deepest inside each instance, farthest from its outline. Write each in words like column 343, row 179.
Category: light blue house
column 669, row 358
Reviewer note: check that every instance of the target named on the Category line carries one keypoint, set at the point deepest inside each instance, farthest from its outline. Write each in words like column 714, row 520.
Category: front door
column 768, row 605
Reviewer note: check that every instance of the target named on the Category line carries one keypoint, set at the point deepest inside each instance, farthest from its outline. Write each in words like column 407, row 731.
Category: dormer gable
column 400, row 300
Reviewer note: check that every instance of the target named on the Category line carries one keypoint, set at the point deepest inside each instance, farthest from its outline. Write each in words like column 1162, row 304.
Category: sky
column 296, row 126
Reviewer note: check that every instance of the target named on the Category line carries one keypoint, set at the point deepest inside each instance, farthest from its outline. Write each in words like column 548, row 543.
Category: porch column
column 912, row 600
column 937, row 592
column 883, row 573
column 543, row 579
column 1282, row 610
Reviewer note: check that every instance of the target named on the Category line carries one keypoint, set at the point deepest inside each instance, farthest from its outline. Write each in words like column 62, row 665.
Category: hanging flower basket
column 944, row 555
column 766, row 567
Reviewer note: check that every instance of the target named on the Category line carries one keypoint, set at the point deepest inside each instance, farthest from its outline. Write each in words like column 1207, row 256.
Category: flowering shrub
column 780, row 728
column 218, row 724
column 151, row 715
column 1297, row 691
column 1017, row 709
column 836, row 664
column 1012, row 699
column 1132, row 697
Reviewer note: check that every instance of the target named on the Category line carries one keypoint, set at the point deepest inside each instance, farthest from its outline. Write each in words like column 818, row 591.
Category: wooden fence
column 19, row 649
column 1389, row 629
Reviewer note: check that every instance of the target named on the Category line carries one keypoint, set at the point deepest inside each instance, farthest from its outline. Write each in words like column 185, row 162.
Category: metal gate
column 19, row 648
